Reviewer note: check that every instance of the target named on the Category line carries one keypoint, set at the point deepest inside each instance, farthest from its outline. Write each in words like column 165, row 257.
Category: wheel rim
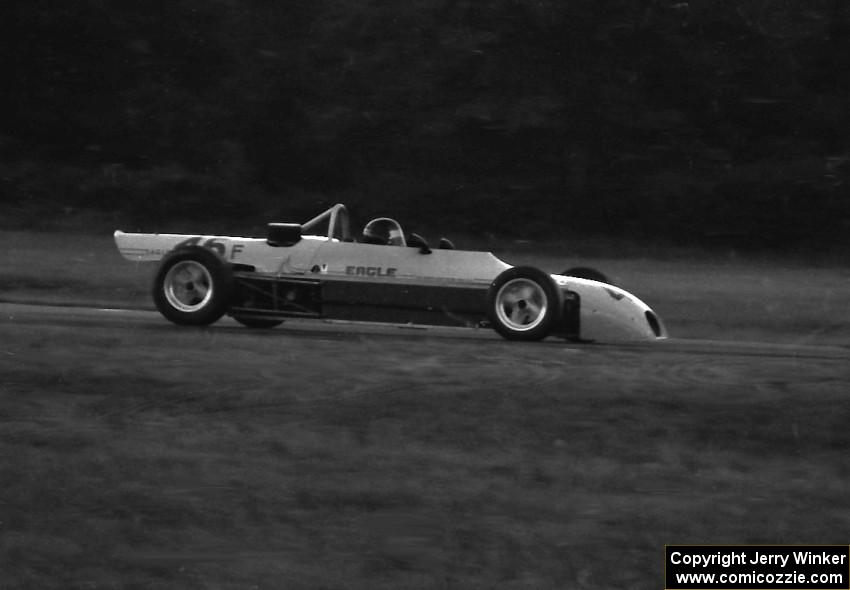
column 188, row 286
column 521, row 304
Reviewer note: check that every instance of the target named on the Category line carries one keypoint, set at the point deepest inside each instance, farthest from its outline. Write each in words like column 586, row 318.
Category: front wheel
column 523, row 303
column 192, row 287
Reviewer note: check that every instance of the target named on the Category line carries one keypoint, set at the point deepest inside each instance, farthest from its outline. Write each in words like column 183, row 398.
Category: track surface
column 332, row 454
column 150, row 320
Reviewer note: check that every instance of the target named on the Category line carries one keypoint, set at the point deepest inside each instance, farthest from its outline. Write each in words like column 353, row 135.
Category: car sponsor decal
column 371, row 271
column 142, row 252
column 358, row 271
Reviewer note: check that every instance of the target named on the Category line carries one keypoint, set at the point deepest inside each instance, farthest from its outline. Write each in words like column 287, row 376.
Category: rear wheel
column 523, row 303
column 192, row 287
column 254, row 322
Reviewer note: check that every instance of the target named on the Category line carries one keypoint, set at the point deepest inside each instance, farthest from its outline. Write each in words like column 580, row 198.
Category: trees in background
column 717, row 119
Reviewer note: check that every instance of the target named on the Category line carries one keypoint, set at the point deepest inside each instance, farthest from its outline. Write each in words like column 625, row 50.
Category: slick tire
column 524, row 303
column 192, row 287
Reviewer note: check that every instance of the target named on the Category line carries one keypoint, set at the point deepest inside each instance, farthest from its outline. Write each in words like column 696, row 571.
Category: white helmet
column 384, row 231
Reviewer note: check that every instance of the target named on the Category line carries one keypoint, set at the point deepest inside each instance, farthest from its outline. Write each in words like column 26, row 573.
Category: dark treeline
column 705, row 120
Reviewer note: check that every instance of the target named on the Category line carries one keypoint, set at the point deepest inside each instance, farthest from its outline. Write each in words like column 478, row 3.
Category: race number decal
column 217, row 245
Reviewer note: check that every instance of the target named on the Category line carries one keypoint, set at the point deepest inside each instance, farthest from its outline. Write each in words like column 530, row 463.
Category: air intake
column 283, row 234
column 654, row 324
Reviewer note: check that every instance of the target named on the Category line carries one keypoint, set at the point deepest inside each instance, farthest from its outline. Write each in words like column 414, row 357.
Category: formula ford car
column 317, row 270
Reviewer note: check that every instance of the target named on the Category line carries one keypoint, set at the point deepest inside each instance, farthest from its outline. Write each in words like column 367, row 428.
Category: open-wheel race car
column 318, row 270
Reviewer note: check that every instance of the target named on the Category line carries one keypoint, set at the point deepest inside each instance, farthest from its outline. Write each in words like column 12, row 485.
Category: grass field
column 141, row 455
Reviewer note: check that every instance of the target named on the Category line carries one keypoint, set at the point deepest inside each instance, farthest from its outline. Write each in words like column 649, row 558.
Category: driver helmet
column 383, row 231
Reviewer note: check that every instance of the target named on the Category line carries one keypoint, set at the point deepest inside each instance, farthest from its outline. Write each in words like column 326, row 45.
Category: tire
column 192, row 287
column 524, row 303
column 583, row 272
column 254, row 322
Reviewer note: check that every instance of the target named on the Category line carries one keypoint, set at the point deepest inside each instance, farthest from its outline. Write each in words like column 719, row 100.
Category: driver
column 384, row 231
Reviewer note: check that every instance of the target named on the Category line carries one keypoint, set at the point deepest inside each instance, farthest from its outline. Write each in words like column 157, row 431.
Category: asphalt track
column 118, row 318
column 516, row 452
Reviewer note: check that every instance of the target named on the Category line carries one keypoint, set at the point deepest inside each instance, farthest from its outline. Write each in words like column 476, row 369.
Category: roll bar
column 338, row 224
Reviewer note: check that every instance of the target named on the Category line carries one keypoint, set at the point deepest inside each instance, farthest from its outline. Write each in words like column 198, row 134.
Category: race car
column 319, row 269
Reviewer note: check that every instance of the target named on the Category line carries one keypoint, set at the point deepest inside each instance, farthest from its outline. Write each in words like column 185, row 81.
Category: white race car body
column 332, row 276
